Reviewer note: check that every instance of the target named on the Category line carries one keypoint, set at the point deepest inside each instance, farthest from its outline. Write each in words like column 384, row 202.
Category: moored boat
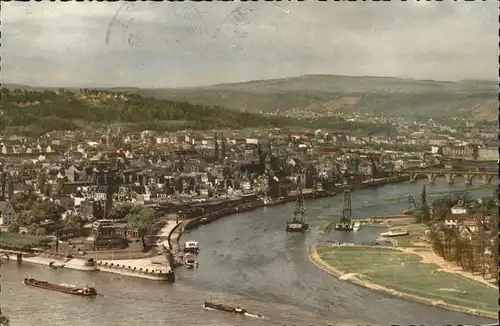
column 356, row 226
column 189, row 261
column 192, row 247
column 395, row 233
column 64, row 288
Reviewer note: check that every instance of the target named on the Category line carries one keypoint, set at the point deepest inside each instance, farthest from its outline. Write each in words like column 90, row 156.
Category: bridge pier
column 19, row 258
column 484, row 179
column 449, row 179
column 432, row 178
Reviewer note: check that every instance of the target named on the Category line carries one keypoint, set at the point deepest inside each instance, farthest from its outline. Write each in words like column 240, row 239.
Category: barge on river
column 225, row 308
column 229, row 309
column 64, row 288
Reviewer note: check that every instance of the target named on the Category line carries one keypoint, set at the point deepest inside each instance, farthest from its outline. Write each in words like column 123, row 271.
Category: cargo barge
column 63, row 288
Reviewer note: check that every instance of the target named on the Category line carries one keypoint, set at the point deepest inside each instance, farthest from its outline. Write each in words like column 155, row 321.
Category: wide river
column 246, row 259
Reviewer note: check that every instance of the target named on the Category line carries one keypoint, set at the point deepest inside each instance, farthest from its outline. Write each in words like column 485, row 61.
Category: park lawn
column 405, row 273
column 21, row 241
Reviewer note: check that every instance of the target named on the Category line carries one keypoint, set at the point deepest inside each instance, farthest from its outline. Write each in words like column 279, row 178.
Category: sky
column 158, row 45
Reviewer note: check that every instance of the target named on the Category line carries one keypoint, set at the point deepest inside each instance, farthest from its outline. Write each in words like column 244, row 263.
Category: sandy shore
column 359, row 280
column 429, row 257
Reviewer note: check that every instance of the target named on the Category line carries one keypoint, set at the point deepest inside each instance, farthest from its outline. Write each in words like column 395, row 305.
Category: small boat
column 345, row 225
column 225, row 308
column 54, row 266
column 64, row 288
column 395, row 233
column 189, row 261
column 192, row 247
column 356, row 226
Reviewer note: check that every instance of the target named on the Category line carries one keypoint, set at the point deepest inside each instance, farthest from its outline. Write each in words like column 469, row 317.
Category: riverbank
column 406, row 275
column 154, row 266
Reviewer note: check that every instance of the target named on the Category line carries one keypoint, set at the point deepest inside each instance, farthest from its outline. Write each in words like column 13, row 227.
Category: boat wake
column 254, row 316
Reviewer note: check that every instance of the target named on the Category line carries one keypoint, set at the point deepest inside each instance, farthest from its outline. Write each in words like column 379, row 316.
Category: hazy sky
column 188, row 44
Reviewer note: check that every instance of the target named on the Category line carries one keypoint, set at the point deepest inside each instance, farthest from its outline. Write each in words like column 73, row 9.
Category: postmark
column 236, row 27
column 157, row 25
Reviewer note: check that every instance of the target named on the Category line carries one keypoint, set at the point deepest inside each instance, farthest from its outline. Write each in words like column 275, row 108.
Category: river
column 246, row 259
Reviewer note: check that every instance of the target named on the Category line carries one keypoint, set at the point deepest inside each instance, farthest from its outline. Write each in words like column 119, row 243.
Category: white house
column 459, row 209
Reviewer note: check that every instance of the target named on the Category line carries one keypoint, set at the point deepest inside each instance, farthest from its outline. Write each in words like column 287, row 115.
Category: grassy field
column 406, row 274
column 21, row 241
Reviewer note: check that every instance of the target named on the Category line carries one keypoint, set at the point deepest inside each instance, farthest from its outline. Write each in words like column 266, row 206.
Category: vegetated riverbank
column 405, row 275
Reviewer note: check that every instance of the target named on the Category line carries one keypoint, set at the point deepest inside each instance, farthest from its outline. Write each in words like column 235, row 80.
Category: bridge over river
column 451, row 174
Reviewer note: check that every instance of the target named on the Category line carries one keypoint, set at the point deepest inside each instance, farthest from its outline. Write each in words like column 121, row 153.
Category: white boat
column 356, row 226
column 191, row 246
column 394, row 233
column 189, row 261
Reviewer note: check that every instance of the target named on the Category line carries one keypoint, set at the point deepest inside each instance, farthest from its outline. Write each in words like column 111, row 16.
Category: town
column 82, row 194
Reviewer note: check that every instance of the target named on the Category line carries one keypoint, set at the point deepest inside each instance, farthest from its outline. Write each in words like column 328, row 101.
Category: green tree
column 24, row 218
column 47, row 190
column 425, row 208
column 75, row 221
column 46, row 210
column 28, row 165
column 143, row 221
column 121, row 211
column 41, row 182
column 40, row 231
column 31, row 229
column 58, row 189
column 13, row 228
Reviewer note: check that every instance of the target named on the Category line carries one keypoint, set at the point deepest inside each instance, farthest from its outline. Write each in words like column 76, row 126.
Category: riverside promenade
column 155, row 267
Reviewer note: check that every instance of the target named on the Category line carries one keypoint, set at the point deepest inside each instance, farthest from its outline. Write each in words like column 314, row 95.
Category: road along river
column 246, row 259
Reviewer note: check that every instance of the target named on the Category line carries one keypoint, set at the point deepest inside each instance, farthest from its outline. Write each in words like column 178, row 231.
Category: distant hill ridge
column 475, row 99
column 392, row 96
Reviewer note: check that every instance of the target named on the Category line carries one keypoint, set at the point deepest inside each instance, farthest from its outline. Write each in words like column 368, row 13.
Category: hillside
column 34, row 112
column 392, row 96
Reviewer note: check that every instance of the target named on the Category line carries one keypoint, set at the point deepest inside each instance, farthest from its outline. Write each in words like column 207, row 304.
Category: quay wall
column 128, row 270
column 171, row 233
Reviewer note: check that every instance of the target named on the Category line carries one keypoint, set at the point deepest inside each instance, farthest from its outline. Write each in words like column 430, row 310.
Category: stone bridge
column 450, row 174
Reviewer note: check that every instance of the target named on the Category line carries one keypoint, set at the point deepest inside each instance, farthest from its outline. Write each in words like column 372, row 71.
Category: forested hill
column 34, row 112
column 472, row 99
